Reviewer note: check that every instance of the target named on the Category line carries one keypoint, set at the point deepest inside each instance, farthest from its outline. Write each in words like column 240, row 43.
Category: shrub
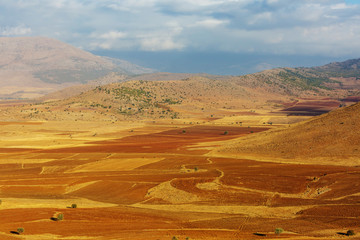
column 226, row 133
column 20, row 230
column 174, row 238
column 74, row 205
column 279, row 230
column 350, row 233
column 60, row 217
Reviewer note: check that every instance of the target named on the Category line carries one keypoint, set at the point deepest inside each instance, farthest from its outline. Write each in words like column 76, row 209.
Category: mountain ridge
column 38, row 65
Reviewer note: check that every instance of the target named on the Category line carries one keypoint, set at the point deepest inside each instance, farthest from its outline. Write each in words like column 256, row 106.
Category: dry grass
column 328, row 139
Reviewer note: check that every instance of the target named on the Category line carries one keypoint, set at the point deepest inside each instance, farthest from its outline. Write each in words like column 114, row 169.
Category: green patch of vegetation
column 131, row 92
column 279, row 230
column 170, row 101
column 58, row 217
column 20, row 230
column 100, row 105
column 302, row 80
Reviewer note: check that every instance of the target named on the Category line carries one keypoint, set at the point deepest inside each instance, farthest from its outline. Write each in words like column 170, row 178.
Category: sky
column 214, row 36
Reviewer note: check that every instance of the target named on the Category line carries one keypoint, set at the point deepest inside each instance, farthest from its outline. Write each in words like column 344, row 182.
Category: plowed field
column 158, row 182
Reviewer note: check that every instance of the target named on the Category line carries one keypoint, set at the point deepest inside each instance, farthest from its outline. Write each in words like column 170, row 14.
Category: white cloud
column 15, row 31
column 160, row 44
column 165, row 39
column 340, row 6
column 129, row 5
column 272, row 1
column 59, row 3
column 107, row 40
column 113, row 35
column 260, row 18
column 271, row 26
column 210, row 23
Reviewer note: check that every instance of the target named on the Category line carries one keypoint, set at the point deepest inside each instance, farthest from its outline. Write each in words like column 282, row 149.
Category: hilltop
column 348, row 68
column 34, row 66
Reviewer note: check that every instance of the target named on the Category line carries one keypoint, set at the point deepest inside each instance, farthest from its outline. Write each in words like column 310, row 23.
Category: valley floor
column 157, row 180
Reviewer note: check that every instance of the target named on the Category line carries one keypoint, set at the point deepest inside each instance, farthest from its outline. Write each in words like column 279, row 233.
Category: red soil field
column 178, row 190
column 166, row 141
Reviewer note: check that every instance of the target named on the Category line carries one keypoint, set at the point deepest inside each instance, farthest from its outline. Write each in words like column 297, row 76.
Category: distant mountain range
column 34, row 66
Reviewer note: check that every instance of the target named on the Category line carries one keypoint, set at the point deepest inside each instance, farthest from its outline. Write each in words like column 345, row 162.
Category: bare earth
column 159, row 179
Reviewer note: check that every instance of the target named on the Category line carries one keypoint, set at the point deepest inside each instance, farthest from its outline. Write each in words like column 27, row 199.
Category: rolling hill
column 34, row 66
column 332, row 138
column 31, row 67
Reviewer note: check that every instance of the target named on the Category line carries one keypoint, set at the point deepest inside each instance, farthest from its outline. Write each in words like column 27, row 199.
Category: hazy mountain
column 349, row 68
column 34, row 66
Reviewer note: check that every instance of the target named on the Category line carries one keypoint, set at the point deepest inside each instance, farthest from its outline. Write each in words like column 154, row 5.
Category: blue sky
column 352, row 1
column 238, row 36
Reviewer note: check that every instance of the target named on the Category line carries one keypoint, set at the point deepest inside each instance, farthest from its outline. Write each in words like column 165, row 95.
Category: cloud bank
column 322, row 27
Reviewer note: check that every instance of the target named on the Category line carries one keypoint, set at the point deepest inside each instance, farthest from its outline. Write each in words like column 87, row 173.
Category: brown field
column 311, row 107
column 156, row 180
